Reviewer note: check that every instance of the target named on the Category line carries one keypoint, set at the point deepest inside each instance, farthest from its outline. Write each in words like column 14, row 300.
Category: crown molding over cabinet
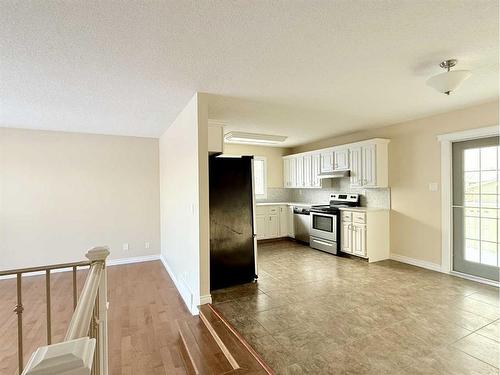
column 367, row 162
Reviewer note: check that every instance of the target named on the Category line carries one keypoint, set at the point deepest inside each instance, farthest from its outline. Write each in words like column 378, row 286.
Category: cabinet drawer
column 346, row 216
column 359, row 217
column 261, row 210
column 273, row 210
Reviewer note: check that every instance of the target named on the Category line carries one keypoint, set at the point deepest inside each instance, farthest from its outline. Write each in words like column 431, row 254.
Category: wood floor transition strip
column 240, row 338
column 190, row 362
column 219, row 342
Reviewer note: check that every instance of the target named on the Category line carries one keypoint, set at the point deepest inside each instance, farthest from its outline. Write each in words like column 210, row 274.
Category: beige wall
column 63, row 193
column 184, row 201
column 414, row 161
column 272, row 154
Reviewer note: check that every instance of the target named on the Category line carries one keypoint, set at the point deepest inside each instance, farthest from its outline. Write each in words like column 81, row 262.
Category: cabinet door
column 316, row 169
column 261, row 224
column 283, row 210
column 369, row 165
column 290, row 223
column 359, row 240
column 327, row 161
column 273, row 226
column 356, row 167
column 300, row 171
column 341, row 159
column 346, row 238
column 287, row 181
column 293, row 172
column 308, row 171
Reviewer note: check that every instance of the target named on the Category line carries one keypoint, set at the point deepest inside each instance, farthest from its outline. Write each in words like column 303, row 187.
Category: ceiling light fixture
column 252, row 138
column 450, row 80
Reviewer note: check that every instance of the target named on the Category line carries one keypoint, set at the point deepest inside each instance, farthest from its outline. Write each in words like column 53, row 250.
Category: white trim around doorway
column 446, row 190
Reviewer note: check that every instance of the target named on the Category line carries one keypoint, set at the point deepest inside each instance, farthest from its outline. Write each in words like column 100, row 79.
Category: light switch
column 125, row 247
column 433, row 186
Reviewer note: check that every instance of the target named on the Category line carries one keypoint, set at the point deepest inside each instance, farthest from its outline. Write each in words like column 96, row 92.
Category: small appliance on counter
column 325, row 222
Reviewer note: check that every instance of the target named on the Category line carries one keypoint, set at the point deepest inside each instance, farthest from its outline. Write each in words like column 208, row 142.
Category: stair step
column 200, row 353
column 232, row 344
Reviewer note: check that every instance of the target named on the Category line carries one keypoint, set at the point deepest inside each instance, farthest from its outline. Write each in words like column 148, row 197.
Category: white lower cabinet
column 261, row 223
column 365, row 233
column 271, row 221
column 290, row 223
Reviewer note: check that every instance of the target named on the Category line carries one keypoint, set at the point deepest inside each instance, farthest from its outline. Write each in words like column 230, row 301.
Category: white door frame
column 446, row 193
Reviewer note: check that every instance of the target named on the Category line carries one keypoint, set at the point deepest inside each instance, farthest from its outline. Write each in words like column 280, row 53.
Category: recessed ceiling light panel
column 253, row 138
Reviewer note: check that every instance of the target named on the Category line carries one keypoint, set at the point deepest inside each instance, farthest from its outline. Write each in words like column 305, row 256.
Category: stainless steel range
column 325, row 222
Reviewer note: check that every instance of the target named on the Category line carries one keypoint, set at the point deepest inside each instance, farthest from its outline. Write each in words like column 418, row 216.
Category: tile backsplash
column 380, row 198
column 277, row 195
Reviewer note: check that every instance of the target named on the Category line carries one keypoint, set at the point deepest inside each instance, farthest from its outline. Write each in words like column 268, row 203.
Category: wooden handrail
column 84, row 349
column 80, row 321
column 44, row 268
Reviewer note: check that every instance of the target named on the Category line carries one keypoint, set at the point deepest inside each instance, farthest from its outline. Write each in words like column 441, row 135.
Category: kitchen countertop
column 363, row 209
column 285, row 204
column 302, row 204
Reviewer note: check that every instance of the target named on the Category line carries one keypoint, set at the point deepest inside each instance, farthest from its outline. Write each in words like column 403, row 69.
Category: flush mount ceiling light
column 450, row 80
column 252, row 138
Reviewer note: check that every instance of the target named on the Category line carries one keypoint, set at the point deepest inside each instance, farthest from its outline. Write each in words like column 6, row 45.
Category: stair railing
column 84, row 349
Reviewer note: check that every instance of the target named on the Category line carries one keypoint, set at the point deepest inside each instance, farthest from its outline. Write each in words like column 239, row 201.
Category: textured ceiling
column 305, row 69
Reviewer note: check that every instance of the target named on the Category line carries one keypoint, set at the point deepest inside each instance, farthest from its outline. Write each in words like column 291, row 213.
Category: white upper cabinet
column 369, row 157
column 287, row 182
column 341, row 159
column 308, row 171
column 356, row 167
column 299, row 171
column 367, row 161
column 315, row 169
column 326, row 161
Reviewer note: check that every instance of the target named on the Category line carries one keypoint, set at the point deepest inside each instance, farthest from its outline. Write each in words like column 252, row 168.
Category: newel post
column 99, row 255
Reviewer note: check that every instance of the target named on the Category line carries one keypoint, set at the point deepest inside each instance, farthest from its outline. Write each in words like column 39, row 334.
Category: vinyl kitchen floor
column 314, row 313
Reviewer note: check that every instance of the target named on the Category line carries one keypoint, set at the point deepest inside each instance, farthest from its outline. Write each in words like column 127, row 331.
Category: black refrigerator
column 232, row 245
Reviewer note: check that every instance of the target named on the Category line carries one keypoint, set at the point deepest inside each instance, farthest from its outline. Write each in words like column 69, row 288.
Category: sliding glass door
column 475, row 207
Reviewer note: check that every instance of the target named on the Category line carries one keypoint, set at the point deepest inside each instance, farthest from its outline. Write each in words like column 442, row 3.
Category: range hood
column 335, row 174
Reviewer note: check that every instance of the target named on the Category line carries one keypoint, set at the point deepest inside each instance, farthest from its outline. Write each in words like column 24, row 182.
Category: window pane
column 471, row 160
column 474, row 212
column 259, row 176
column 471, row 200
column 472, row 228
column 488, row 200
column 489, row 253
column 489, row 212
column 489, row 158
column 488, row 229
column 471, row 182
column 472, row 250
column 489, row 182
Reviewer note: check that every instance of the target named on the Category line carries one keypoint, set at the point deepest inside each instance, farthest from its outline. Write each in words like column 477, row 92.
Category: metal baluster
column 75, row 296
column 49, row 320
column 97, row 336
column 19, row 311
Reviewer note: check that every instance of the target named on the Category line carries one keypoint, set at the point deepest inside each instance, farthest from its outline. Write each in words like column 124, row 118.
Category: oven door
column 324, row 226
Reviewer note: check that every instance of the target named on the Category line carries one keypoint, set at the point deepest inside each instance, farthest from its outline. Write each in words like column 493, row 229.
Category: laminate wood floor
column 315, row 313
column 144, row 307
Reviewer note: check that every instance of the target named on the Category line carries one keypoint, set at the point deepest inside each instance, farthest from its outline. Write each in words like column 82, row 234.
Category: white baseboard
column 205, row 299
column 184, row 291
column 111, row 262
column 475, row 278
column 416, row 262
column 145, row 258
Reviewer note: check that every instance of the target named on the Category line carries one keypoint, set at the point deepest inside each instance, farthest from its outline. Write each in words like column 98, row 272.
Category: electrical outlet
column 146, row 245
column 125, row 247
